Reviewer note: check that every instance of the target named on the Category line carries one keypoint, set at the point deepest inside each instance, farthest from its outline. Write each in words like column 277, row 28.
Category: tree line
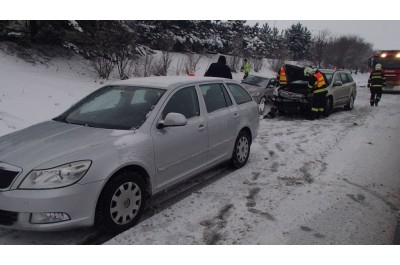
column 120, row 44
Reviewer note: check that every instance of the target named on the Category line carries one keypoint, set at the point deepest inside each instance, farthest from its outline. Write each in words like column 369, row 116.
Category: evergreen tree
column 298, row 41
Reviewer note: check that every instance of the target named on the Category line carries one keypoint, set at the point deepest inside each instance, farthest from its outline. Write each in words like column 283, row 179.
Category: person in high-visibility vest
column 376, row 81
column 245, row 68
column 318, row 85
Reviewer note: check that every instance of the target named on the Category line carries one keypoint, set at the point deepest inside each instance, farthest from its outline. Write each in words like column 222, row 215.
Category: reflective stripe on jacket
column 317, row 83
column 376, row 79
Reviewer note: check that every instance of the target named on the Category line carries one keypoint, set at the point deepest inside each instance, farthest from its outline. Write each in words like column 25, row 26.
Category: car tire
column 121, row 202
column 241, row 151
column 261, row 105
column 350, row 105
column 328, row 106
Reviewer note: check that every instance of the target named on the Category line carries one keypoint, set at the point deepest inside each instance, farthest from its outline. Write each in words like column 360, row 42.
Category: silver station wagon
column 97, row 163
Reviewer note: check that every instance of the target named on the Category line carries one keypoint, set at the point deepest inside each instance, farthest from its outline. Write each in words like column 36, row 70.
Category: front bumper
column 290, row 105
column 391, row 87
column 78, row 201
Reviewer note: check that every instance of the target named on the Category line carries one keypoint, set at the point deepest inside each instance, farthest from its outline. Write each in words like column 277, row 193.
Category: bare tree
column 320, row 44
column 348, row 52
column 179, row 66
column 276, row 64
column 257, row 63
column 102, row 65
column 191, row 61
column 163, row 64
column 167, row 42
column 148, row 66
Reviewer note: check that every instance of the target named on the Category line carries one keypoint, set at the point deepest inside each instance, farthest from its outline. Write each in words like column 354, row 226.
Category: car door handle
column 201, row 127
column 236, row 115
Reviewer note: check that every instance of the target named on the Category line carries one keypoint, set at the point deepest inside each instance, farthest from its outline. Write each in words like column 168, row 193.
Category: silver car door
column 337, row 91
column 180, row 151
column 221, row 121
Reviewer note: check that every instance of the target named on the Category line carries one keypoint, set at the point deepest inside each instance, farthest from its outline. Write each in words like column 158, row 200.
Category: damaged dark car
column 296, row 97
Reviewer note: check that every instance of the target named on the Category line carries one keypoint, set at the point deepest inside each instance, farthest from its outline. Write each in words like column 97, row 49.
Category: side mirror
column 338, row 83
column 172, row 119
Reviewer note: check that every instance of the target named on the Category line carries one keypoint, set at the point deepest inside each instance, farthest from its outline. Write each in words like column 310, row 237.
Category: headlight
column 57, row 177
column 256, row 94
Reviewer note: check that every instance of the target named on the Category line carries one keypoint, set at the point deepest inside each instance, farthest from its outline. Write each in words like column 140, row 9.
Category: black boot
column 371, row 102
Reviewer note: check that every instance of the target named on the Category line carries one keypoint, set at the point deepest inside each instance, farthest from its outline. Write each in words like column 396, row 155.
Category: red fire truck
column 390, row 61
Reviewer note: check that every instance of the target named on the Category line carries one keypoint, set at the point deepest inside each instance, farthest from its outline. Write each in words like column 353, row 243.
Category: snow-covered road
column 328, row 181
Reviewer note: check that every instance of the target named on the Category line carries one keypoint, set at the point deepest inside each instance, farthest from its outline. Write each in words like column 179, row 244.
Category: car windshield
column 256, row 81
column 114, row 107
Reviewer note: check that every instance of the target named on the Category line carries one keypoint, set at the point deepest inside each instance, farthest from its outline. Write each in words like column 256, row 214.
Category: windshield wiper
column 61, row 119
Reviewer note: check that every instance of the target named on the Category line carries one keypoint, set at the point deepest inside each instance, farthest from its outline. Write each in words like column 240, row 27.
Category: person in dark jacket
column 376, row 81
column 219, row 69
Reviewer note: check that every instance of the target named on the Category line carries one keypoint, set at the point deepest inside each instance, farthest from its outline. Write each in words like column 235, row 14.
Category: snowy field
column 328, row 181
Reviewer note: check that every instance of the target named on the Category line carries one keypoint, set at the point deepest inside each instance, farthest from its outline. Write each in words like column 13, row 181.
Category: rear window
column 215, row 97
column 239, row 93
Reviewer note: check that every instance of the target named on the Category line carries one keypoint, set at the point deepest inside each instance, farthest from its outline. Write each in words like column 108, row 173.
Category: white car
column 98, row 162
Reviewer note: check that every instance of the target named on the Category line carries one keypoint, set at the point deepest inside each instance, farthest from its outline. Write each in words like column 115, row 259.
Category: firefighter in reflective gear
column 282, row 77
column 318, row 85
column 376, row 81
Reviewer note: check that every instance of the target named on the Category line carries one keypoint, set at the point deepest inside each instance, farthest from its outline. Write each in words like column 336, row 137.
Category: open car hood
column 297, row 82
column 294, row 73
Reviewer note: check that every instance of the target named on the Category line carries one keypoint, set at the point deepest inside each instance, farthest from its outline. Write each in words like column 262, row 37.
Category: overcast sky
column 341, row 17
column 383, row 34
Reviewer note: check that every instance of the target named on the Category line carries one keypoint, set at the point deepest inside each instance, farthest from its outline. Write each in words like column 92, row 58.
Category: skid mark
column 375, row 194
column 274, row 167
column 279, row 147
column 250, row 198
column 306, row 228
column 255, row 175
column 212, row 232
column 318, row 235
column 306, row 174
column 292, row 181
column 264, row 214
column 359, row 198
